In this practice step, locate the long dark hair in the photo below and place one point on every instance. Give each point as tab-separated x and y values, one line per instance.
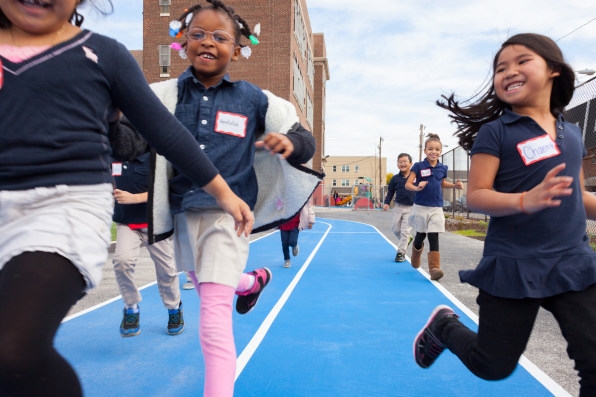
470	114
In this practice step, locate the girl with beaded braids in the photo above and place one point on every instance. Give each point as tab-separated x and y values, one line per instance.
240	127
59	86
526	173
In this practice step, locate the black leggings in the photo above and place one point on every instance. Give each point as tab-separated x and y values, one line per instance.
505	326
37	290
433	241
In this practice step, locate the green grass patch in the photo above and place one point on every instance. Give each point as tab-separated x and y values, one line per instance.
470	233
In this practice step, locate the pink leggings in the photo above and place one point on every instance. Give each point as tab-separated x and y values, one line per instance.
216	335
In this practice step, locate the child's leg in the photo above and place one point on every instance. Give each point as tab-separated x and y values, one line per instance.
285	243
576	314
217	339
504	328
36	291
128	243
434	257
293	237
417	249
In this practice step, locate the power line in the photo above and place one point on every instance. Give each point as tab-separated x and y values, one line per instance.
576	29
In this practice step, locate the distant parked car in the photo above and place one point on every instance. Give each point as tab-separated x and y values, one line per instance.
460	204
447	206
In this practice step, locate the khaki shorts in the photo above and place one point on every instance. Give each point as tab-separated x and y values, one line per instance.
205	241
427	219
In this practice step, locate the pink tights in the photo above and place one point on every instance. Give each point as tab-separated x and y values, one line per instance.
216	335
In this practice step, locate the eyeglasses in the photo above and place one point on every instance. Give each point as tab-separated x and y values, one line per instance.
219	36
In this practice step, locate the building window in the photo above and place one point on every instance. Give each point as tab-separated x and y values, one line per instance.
345	182
356	168
334	182
334	168
164	61
345	168
355	181
164	7
299	87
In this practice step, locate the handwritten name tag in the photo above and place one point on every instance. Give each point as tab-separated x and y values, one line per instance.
231	124
425	173
537	149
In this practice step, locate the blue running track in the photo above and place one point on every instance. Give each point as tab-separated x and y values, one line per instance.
339	322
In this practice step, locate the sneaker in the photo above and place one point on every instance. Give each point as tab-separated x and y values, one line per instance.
287	263
248	299
188	285
295	251
400	257
130	325
175	321
427	344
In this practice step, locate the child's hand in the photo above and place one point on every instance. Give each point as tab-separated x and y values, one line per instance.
385	207
124	197
544	195
422	184
232	204
277	143
459	185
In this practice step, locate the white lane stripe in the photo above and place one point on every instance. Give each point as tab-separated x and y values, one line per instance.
257	338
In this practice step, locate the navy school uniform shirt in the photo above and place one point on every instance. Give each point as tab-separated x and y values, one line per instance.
545	253
131	176
432	194
397	188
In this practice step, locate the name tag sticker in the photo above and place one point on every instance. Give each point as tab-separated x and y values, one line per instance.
231	124
537	149
425	173
116	169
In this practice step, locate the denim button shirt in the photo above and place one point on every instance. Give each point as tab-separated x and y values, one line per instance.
226	120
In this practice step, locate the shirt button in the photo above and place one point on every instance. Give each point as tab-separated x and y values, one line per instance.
202	146
560	127
205	98
203	122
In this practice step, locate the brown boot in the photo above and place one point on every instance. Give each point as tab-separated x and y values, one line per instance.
416	254
434	265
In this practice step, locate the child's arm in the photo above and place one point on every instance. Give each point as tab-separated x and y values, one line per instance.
297	146
410	182
482	198
449	185
124	197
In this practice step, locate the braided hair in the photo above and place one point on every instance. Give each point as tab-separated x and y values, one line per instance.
241	28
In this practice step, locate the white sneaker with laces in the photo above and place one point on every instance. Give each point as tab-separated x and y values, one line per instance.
287	263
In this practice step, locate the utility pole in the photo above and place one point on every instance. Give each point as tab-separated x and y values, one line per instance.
380	172
420	145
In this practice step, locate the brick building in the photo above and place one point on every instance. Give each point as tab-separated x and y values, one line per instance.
289	61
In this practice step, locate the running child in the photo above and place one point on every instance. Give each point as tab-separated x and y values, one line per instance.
526	173
404	199
427	179
59	88
230	120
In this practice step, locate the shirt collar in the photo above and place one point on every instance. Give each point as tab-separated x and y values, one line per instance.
510	117
187	75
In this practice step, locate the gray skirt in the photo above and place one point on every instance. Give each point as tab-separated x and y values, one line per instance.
425	219
71	221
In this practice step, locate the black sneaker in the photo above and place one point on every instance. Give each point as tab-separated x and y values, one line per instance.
427	344
247	300
130	325
175	321
400	257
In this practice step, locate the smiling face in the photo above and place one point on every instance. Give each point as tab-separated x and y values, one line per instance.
404	164
432	150
523	79
210	58
38	17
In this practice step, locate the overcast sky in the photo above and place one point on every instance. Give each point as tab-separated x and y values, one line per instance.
390	60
